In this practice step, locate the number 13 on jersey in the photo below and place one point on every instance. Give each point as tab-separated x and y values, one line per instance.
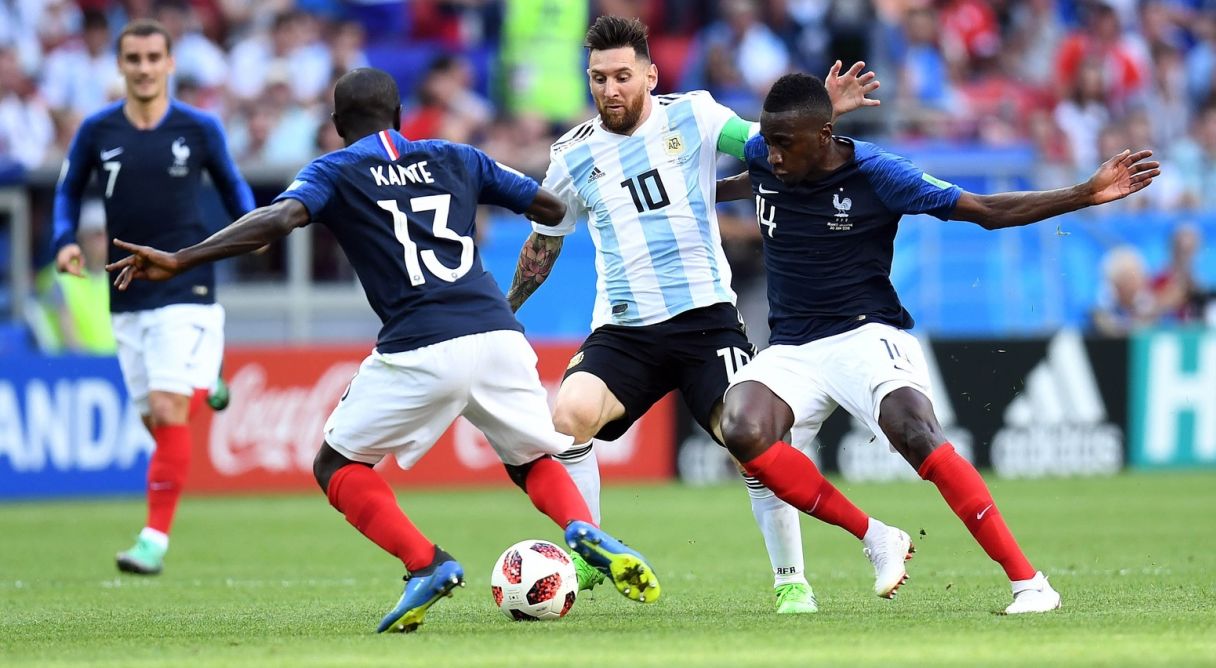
440	204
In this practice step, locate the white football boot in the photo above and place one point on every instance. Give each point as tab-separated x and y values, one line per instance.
1034	595
887	548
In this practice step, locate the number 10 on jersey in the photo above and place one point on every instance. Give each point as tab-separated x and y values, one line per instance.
440	204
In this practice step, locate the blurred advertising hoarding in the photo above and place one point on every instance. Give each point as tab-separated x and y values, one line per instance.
67	428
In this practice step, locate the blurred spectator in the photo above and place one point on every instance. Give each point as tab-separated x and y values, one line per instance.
73	313
1083	113
194	56
80	74
346	44
742	57
26	129
969	30
1166	96
18	31
1037	33
522	143
926	95
292	46
816	33
1055	168
447	106
1201	60
544	61
1126	301
456	23
996	102
1176	288
1194	158
1101	43
277	130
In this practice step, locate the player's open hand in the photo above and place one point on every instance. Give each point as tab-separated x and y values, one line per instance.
144	263
1123	175
849	91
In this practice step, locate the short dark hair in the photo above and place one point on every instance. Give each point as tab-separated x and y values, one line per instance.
366	93
799	92
144	28
94	20
614	32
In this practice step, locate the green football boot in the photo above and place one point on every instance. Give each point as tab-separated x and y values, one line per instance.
144	558
795	598
217	396
588	575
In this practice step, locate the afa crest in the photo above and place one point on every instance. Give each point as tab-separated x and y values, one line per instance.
673	143
574	361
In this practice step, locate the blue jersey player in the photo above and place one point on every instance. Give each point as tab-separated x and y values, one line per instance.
149	153
404	213
828	209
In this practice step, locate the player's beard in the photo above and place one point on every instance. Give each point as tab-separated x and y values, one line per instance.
623	122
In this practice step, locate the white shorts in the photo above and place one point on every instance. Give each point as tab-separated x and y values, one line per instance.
856	370
401	403
175	348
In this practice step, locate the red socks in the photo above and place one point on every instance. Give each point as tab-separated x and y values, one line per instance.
794	478
167	471
369	504
553	492
967	495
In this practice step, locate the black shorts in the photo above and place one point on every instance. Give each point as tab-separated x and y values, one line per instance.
697	352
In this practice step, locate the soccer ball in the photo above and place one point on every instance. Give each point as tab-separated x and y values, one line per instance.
534	580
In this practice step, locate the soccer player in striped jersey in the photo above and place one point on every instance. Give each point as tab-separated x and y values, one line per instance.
404	213
642	176
828	209
150	153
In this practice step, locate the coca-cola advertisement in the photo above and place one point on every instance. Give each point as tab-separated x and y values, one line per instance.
266	439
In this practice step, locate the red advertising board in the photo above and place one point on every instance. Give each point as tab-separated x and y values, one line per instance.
281	397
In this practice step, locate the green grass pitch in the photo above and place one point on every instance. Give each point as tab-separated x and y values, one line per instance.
284	581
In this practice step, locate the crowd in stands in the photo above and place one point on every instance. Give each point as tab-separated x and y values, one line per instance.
1072	80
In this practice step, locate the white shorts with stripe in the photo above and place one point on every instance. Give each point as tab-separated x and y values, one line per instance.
176	348
855	369
400	403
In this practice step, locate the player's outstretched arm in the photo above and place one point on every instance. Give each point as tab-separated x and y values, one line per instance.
254	230
734	187
849	90
1117	178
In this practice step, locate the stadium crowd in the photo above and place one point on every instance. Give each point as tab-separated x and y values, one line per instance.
1072	80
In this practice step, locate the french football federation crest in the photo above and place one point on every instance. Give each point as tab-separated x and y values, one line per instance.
181	153
843	205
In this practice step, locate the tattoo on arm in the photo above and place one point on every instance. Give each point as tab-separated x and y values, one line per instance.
536	260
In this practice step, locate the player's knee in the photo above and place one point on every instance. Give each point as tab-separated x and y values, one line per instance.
166	409
326	464
744	435
911	428
579	420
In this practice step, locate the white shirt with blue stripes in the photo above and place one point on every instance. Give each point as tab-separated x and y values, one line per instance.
648	199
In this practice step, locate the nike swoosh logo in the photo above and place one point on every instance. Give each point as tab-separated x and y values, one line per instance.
766	191
980	514
112	153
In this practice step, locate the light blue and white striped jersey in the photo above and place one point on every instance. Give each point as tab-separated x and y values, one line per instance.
649	202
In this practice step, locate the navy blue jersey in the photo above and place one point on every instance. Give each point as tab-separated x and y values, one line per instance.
404	213
828	243
150	182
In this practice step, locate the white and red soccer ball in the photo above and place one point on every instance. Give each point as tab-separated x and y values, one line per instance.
534	580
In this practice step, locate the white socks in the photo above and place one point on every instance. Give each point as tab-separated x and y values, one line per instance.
779	524
157	538
584	468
